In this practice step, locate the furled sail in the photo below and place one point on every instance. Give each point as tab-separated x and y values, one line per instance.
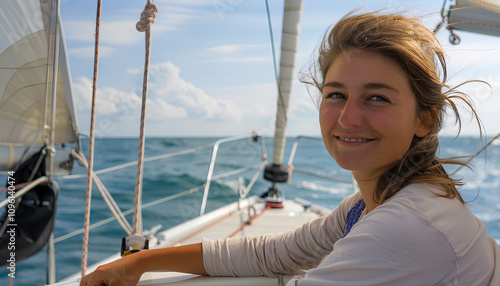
275	172
478	16
26	63
289	47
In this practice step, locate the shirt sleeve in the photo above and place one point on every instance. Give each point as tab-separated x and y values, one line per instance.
390	246
270	255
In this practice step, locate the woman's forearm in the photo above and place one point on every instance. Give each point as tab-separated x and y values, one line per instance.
186	259
128	270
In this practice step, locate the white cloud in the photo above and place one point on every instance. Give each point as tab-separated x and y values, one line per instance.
244	60
121	104
169	96
109	100
302	105
227	49
256	101
242	53
135	71
164	109
167	83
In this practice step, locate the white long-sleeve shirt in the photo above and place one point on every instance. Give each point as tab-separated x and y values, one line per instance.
414	238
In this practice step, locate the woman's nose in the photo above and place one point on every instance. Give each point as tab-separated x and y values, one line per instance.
352	114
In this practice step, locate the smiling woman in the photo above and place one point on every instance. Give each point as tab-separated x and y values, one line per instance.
382	106
394	64
368	115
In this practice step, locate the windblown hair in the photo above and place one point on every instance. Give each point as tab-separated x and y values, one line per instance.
407	41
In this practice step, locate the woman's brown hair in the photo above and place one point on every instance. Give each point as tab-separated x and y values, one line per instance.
415	48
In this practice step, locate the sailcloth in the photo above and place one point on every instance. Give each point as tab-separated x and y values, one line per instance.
289	47
478	16
26	64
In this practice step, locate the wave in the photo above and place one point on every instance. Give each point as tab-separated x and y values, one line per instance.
340	189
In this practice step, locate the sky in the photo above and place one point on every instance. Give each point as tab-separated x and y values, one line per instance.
211	69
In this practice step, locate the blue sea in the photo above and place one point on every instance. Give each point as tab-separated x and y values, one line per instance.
176	174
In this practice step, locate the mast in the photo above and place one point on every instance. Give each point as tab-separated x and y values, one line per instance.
51	260
289	47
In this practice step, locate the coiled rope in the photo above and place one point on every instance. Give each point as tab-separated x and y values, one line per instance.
148	17
91	146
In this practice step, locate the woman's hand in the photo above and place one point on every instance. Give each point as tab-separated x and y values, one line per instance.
122	272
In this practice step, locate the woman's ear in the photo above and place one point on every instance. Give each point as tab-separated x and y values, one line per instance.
427	120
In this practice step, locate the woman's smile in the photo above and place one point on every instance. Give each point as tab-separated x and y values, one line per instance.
351	141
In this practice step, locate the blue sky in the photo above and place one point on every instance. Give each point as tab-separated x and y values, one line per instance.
211	65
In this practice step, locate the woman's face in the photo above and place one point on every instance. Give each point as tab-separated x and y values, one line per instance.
368	113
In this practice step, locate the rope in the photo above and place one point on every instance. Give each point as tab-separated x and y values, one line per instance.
91	146
113	206
148	17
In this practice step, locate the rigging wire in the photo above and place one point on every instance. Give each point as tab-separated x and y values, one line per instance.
134	163
477	154
108	198
127	212
276	75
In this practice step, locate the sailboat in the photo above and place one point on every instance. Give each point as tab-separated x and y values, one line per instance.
48	122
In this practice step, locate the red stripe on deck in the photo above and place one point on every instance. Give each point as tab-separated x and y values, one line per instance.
248	222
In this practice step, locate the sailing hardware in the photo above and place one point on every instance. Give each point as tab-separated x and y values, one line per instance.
276	173
274	198
34	213
454	38
133	243
471	16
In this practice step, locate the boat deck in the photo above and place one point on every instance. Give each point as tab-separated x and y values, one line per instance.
248	217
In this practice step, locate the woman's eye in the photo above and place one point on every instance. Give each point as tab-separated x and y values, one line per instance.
335	95
378	98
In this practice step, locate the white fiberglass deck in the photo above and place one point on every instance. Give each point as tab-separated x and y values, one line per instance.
252	218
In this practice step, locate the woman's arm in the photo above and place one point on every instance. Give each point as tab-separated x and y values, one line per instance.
270	255
128	270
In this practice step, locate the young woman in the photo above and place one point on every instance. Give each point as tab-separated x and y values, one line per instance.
382	105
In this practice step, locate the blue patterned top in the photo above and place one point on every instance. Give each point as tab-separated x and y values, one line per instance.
353	215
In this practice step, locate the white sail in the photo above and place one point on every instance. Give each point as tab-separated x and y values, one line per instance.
289	47
24	58
26	64
492	5
476	16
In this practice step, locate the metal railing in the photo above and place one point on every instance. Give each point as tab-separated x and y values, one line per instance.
206	185
214	158
292	168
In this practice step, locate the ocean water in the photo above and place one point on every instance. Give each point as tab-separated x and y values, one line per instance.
173	175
